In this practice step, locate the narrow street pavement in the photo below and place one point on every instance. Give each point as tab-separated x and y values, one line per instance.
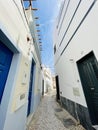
50	116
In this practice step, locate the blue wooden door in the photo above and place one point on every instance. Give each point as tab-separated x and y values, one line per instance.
30	95
5	62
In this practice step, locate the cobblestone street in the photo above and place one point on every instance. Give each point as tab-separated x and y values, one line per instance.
50	116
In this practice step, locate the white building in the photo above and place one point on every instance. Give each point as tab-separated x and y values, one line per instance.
76	55
20	71
47	80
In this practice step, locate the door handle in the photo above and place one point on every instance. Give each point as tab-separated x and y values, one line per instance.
92	88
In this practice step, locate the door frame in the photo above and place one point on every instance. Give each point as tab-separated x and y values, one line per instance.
9	86
7	41
31	88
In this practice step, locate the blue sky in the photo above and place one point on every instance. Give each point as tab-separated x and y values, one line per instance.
47	13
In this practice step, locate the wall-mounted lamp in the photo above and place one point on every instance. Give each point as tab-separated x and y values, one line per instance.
36	17
35	9
29	0
37	25
71	59
38	30
28	39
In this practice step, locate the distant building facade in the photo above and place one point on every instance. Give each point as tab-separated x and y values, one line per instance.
76	60
20	71
47	80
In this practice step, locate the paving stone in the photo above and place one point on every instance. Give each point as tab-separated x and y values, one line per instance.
50	116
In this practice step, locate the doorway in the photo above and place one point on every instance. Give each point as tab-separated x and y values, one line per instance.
42	87
31	89
5	62
57	88
88	70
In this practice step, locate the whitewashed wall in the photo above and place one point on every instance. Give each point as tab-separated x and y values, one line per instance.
15	27
84	41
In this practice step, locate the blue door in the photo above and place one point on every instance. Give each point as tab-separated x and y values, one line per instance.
31	90
5	62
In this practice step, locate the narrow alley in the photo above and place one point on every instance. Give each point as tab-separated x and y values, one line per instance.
48	64
51	116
